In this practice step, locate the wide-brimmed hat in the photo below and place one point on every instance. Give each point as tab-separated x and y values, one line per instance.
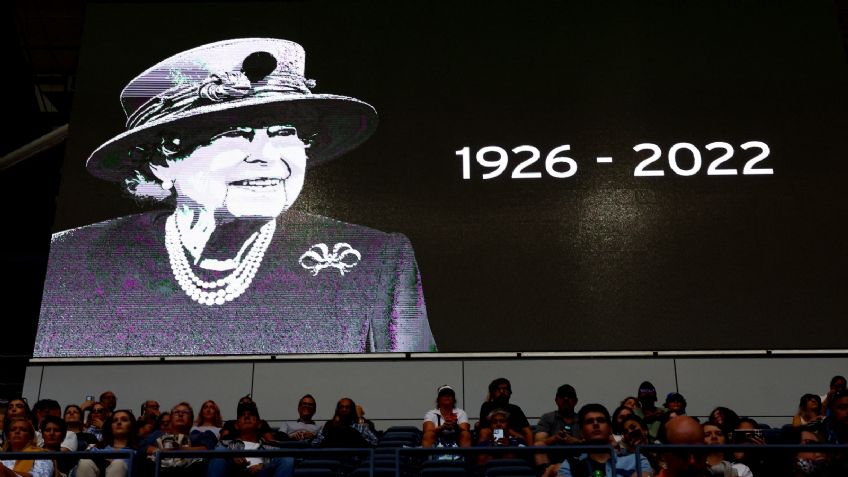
228	84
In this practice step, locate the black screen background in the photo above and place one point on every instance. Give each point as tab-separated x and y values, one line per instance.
599	261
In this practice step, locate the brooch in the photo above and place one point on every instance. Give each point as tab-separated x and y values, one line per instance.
343	257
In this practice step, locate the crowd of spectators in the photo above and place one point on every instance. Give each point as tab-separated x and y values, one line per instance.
98	426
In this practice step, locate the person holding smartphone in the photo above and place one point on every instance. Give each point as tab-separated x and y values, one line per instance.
559	427
447	424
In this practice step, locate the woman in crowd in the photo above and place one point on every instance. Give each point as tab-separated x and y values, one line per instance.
119	433
718	461
73	422
57	438
96	419
809	411
808	464
209	419
447	424
724	418
20	437
618	416
631	401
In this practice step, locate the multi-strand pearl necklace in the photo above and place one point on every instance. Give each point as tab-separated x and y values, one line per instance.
225	289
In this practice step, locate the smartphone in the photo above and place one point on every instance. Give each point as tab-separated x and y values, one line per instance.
499	433
89	398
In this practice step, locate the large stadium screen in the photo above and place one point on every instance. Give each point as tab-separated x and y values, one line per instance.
347	177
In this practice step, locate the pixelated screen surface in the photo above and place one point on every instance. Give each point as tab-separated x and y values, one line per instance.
556	177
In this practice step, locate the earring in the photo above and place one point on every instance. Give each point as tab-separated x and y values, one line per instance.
167	184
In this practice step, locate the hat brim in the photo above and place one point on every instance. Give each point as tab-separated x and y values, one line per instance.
338	123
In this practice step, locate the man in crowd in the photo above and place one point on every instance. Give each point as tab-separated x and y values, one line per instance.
560	427
247	436
596	427
304	428
150	408
648	410
500	391
683	430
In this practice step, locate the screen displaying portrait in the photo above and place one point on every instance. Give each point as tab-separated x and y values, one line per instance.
326	177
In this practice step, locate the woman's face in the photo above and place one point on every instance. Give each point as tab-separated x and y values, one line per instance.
446	401
165	423
52	435
619	418
72	414
812	405
121	424
634	434
243	172
17	408
717	417
631	402
713	435
181	419
208	411
19	434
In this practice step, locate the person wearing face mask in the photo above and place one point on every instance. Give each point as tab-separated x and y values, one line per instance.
221	137
500	391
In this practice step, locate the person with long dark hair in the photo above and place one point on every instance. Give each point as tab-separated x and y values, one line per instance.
344	430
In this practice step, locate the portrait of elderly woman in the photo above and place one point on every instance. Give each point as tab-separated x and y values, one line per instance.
221	136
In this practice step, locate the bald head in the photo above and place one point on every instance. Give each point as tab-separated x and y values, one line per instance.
684	430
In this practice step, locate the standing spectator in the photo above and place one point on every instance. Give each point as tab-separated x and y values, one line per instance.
446	424
500	391
304	428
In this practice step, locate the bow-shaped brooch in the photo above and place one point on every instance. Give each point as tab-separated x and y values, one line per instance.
318	257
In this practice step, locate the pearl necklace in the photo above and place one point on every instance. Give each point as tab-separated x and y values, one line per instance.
222	290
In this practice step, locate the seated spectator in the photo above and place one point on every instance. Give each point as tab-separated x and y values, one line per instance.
229	427
683	430
836	424
209	419
179	436
343	430
44	408
596	430
149	408
809	411
96	419
675	404
500	436
20	437
837	384
18	407
446	424
109	400
725	418
718	461
631	401
500	391
163	423
119	433
648	410
761	463
54	434
304	428
559	427
75	426
360	418
635	433
810	463
248	437
145	426
618	416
